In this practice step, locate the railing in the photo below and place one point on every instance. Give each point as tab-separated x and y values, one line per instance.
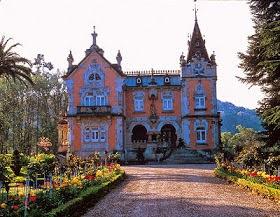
153	72
94	110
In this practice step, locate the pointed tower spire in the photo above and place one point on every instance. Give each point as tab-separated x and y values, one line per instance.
197	43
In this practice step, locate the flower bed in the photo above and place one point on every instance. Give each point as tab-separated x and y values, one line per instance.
48	188
258	182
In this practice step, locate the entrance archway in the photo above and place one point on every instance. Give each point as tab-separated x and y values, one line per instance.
168	134
139	133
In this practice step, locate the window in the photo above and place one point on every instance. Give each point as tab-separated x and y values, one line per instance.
100	100
88	100
102	135
91	77
166	80
139	104
138	81
87	135
200	102
201	135
167	104
94	76
95	135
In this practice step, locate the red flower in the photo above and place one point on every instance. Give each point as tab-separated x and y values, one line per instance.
89	177
15	207
253	174
33	198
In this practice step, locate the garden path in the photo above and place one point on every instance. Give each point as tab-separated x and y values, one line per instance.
178	191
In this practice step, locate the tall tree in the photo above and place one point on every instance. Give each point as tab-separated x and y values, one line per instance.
261	64
12	65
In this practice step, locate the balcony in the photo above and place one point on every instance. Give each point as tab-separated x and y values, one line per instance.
94	110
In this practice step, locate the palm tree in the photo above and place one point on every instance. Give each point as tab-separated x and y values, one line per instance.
12	65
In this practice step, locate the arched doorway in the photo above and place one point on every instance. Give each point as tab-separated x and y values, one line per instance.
139	133
168	134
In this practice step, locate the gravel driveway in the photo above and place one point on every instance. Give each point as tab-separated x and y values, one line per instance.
177	191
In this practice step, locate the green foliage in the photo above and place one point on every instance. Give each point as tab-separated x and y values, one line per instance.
28	113
244	148
261	64
87	198
12	65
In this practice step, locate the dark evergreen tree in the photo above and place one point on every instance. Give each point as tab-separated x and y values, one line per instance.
261	64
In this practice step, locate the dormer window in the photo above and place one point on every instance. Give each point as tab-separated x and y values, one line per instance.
197	44
138	81
167	80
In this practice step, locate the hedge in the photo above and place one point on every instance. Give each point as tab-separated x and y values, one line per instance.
88	198
262	189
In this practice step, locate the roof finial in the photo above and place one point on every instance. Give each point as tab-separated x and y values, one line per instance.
94	36
195	11
119	58
70	60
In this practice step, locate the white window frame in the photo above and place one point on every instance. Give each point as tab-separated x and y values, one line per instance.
138	104
200	102
167	104
201	135
88	100
100	100
95	135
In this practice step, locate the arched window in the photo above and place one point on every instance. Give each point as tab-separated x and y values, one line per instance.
94	76
87	135
200	135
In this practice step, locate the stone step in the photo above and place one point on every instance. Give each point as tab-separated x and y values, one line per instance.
182	156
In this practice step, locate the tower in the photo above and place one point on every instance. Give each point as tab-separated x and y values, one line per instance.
198	99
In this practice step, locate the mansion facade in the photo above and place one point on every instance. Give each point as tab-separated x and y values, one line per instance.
109	109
